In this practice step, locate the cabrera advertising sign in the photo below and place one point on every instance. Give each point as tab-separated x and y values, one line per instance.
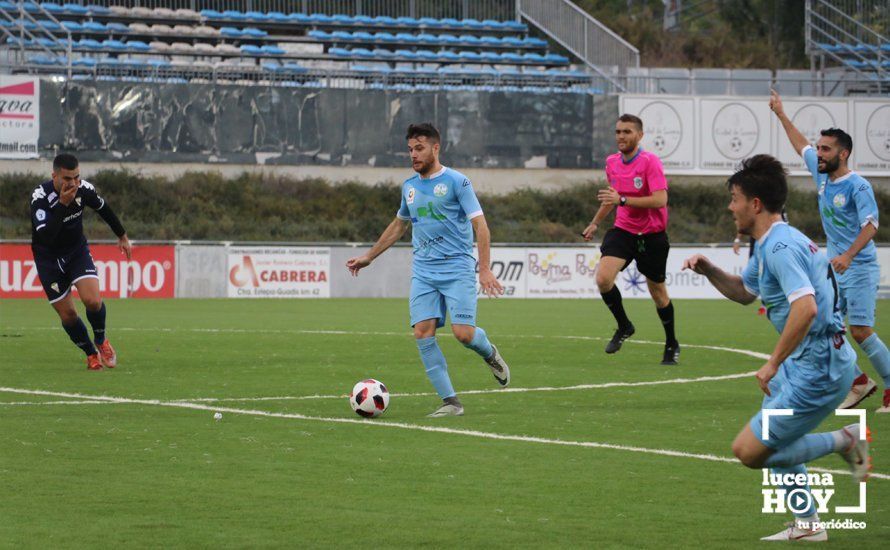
279	272
19	116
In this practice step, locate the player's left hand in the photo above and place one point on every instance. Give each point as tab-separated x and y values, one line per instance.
840	263
123	244
765	374
608	196
491	287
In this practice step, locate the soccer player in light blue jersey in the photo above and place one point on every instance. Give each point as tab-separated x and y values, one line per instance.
444	212
812	365
850	220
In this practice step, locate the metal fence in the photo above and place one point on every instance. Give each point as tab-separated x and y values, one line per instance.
500	10
581	34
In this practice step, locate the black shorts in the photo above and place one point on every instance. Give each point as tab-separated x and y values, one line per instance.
59	270
649	250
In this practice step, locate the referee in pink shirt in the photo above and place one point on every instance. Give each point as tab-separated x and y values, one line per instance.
638	188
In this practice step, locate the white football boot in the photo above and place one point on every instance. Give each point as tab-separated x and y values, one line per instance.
796	533
447	410
498	367
856	454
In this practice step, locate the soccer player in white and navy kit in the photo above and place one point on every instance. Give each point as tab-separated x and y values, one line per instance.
850	219
638	188
62	255
444	212
812	364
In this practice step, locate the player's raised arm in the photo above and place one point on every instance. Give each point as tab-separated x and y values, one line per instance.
390	236
489	283
798	141
731	286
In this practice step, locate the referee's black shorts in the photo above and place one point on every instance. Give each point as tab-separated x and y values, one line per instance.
650	250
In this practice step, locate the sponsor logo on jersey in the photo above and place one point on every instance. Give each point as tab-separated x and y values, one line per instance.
410	198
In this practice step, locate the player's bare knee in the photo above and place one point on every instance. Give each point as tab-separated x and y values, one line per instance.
93	304
604	281
860	333
423	332
464	335
68	316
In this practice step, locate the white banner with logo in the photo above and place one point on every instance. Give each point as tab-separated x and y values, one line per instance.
19	116
709	135
279	272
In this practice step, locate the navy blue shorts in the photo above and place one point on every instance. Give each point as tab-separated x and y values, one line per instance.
58	271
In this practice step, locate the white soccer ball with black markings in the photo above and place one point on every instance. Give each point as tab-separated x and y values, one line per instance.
369	398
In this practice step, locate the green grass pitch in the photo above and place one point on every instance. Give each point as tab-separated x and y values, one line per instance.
152	473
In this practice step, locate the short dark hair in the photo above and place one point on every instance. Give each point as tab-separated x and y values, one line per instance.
762	177
632	118
425	129
66	161
842	137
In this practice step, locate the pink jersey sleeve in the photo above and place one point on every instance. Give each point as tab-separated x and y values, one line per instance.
655	174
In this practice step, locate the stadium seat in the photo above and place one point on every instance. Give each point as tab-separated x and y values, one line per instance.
429	22
185	13
363	36
469	56
49	25
211	14
75	9
385	20
339	52
254	32
407	54
407	22
383	54
321	18
319	35
272	49
424	38
256	16
138	46
115	27
234	15
407	37
113	45
230	32
385	37
362	52
277	17
72	26
341	35
469	39
491	57
554	58
341	19
447	55
300	18
139	28
448	39
94	26
250	49
89	44
84	62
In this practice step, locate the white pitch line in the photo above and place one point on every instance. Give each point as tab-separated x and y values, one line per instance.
81	402
403	426
495	391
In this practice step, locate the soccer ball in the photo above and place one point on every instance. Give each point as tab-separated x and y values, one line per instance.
369	398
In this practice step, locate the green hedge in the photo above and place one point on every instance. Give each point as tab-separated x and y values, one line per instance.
252	207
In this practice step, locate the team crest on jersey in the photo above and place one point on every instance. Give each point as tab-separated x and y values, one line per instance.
410	198
840	200
440	190
638	182
40	215
54	286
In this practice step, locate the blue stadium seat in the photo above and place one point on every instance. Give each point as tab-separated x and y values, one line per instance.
321	18
84	62
341	19
362	52
447	55
254	32
425	38
537	42
115	27
469	56
51	7
339	52
451	22
512	57
385	37
138	46
512	40
157	62
230	32
429	22
490	40
448	39
75	9
407	54
383	54
72	26
272	49
469	39
43	59
4	5
364	20
113	45
535	57
407	22
31	7
341	35
211	14
491	24
256	16
96	9
473	24
271	66
319	35
385	20
48	24
515	25
885	47
364	36
426	55
89	44
94	26
277	17
300	18
407	37
234	15
554	58
491	57
251	49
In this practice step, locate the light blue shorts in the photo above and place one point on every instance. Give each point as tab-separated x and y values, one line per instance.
812	383
454	294
858	293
